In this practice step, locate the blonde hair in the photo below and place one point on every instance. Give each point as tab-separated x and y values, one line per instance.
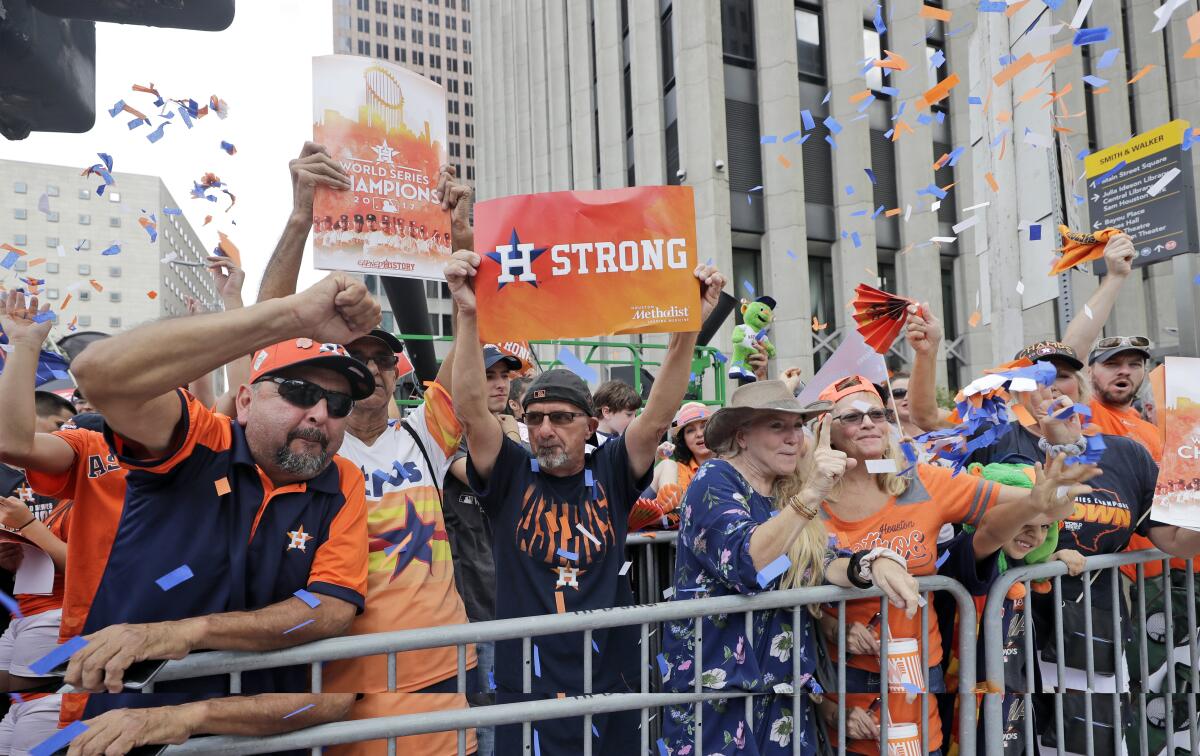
892	483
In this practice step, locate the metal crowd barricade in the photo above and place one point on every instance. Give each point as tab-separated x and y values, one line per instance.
1139	686
586	705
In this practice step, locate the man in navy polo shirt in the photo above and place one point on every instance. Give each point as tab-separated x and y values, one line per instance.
199	560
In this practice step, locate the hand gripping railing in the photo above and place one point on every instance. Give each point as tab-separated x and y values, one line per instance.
993	634
526	628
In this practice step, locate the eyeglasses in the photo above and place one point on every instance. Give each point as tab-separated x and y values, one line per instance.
899	393
877	416
382	361
1112	342
305	394
561	419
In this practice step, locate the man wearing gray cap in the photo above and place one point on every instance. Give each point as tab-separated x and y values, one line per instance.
559	517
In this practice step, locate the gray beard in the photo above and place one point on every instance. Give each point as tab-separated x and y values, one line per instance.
305	465
552	460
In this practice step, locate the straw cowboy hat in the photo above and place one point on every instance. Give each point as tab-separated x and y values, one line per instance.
751	400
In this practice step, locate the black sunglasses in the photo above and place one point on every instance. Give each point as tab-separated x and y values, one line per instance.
382	361
561	419
899	393
305	394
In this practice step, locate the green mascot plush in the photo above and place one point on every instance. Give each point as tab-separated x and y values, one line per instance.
756	320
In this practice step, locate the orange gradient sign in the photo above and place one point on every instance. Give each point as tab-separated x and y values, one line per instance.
386	127
595	263
1177	493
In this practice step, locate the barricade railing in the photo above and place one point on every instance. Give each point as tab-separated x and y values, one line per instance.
1103	570
648	617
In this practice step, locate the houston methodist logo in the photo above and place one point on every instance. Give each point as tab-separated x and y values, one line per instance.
584	258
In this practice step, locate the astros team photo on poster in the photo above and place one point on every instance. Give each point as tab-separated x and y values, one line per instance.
386	127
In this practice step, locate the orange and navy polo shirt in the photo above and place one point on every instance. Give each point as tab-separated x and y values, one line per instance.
205	505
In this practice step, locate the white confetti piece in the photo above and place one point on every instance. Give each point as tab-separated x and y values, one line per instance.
624	568
1088	311
61	252
880	466
862	406
1164	15
907	212
668	593
1020	287
976	207
1161	184
935	206
964	225
943	239
586	534
1081	14
1044	31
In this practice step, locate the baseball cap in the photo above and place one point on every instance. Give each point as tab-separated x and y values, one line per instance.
492	355
393	343
559	385
855	384
1044	350
295	352
1111	346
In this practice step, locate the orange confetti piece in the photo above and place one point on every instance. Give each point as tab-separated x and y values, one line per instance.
894	61
1012	69
1003	117
937	164
9	248
1194	50
231	251
1057	96
207	220
1054	55
1024	417
1193	24
36	261
96	285
818	326
992	182
939	91
74	321
1011	10
152	294
1030	94
937	14
784	161
1145	70
894	211
975	319
858	97
222	485
65	302
901	128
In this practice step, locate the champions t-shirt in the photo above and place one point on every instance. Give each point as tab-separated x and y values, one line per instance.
559	546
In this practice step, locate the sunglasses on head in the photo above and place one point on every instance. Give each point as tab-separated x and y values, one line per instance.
878	416
1112	342
561	419
305	394
382	361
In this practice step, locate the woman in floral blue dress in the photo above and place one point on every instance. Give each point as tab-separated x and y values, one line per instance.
749	524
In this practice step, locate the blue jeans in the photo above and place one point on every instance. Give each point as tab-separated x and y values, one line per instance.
486	654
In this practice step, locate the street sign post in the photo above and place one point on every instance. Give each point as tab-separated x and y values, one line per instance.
1144	187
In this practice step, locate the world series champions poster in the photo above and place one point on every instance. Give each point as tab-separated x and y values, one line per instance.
1177	493
386	127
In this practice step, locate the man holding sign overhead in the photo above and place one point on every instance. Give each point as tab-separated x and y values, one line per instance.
559	517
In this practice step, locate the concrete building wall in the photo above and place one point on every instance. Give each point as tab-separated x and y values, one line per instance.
710	79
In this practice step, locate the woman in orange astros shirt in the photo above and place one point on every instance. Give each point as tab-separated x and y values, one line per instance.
880	511
673	474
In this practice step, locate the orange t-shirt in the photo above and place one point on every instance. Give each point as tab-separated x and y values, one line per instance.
1127	422
908	524
900	711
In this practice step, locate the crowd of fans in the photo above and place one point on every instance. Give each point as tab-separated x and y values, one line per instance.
297	506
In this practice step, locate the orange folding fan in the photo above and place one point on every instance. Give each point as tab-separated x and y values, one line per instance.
880	316
1079	248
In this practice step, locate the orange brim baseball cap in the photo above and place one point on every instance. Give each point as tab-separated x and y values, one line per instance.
296	352
855	384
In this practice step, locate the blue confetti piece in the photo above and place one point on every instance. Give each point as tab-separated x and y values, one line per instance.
533	465
662	665
56	657
791	136
888	134
975	100
1095	81
924	119
113	249
875	214
941	116
297	627
1196	280
187	119
9	260
832	143
721	358
10	604
849	189
1079	200
662	748
910	688
792	255
172	211
773	570
1053	4
537	745
175	577
115	110
767	139
297	711
312	601
1091	36
595	732
573	556
955	154
866	104
854	237
934	190
938	59
804	139
229	148
1007	59
1000	137
880	28
992	6
576	365
1107	59
942	559
491	680
890	91
832	124
806	117
157	134
870	174
900	111
828	94
858	213
537	661
59	740
42	317
1035	232
748	287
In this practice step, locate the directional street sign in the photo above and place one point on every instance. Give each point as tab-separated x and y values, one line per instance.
1144	187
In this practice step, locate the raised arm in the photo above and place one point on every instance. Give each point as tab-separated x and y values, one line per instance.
924	334
229	279
122	730
1052	496
646	431
131	377
314	167
101	664
19	444
15	515
469	381
1083	331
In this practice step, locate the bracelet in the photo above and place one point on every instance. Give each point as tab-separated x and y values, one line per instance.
853	570
808	512
1071	450
32	520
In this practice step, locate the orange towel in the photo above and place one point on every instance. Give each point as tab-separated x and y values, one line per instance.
1079	248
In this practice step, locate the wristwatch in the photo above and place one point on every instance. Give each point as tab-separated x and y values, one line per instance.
864	563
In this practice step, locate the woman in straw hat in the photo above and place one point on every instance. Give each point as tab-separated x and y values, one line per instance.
879	509
749	523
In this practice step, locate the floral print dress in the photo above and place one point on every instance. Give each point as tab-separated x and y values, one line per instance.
720	513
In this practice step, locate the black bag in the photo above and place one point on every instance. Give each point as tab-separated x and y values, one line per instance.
1075	723
1104	650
